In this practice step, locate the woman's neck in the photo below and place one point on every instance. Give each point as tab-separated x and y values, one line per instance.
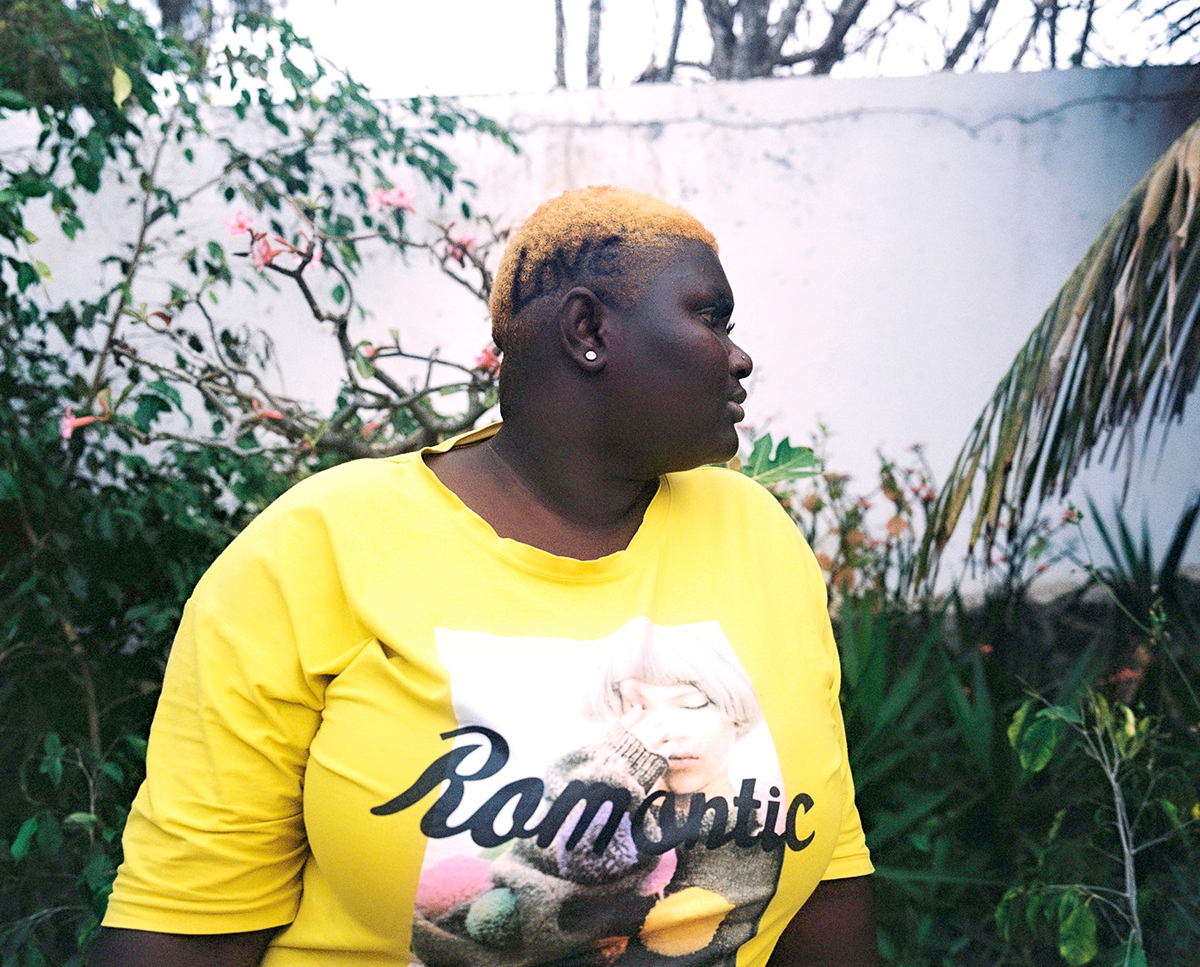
551	494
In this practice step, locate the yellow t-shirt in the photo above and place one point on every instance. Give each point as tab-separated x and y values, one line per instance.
413	741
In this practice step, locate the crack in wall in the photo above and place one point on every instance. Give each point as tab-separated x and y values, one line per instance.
856	114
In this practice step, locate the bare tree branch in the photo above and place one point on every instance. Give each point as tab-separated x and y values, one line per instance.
1052	25
1077	57
560	45
785	27
593	44
978	18
1039	11
833	47
676	30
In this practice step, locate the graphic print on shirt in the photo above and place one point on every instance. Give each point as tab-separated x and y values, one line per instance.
615	801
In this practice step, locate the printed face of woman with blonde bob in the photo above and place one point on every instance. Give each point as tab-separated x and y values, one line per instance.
687	728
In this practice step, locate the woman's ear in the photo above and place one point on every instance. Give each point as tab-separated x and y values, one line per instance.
580	317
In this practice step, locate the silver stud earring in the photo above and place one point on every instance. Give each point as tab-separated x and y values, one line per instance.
590	355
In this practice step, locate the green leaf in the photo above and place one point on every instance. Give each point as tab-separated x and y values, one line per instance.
13	101
1077	933
166	390
81	819
122	86
27	275
366	369
1172	812
1018	722
788	464
1038	743
24	837
43	269
338	293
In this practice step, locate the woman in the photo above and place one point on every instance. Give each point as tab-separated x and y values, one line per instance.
319	742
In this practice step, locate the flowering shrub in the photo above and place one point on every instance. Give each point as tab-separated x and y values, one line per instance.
866	541
140	428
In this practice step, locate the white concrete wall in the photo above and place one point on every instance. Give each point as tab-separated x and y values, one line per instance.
890	242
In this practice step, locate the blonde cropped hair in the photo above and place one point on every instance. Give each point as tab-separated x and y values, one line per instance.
589	236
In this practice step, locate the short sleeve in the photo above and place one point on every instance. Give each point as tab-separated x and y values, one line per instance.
215	839
851	856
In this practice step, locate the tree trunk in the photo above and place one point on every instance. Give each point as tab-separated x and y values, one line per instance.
719	16
752	55
593	45
560	45
173	12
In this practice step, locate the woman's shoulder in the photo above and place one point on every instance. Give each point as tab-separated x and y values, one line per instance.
722	486
353	489
317	519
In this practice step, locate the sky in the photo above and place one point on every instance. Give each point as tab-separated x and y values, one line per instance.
492	47
501	46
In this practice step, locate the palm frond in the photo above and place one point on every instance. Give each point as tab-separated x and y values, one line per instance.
1119	342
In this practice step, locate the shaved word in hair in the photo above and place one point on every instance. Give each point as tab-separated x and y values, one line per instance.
606	238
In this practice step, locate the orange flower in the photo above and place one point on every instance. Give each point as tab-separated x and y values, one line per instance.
843	580
897	526
854	538
812	503
824	561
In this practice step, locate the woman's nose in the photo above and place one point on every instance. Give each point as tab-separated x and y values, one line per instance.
740	363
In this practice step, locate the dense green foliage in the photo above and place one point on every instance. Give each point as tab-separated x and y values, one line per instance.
1027	775
138	432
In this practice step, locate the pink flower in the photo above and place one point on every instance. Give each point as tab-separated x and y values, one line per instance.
369	351
459	248
488	360
399	198
263	252
264	414
396	198
239	224
1071	515
70	423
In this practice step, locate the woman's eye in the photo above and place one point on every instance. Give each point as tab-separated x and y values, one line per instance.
717	319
